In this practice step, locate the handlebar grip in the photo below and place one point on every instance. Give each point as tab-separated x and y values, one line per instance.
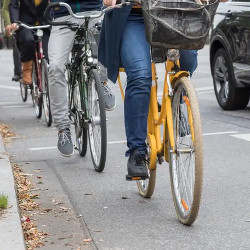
47	16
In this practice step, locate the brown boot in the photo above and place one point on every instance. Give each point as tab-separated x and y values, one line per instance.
27	72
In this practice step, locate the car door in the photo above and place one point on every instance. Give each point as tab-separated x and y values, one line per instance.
238	21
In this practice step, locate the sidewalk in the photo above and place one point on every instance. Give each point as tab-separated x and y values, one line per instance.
11	234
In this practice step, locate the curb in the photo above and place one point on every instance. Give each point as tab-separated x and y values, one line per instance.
11	233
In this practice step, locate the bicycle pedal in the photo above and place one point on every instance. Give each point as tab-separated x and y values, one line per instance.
136	178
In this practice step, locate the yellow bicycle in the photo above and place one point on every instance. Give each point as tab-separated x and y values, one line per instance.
181	144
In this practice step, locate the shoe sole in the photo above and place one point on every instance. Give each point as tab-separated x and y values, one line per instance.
110	109
136	178
67	155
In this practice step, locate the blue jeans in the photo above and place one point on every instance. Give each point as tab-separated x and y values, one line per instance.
135	58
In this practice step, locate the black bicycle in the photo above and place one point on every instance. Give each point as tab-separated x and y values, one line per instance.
85	98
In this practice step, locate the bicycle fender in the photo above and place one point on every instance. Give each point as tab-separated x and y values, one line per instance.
179	75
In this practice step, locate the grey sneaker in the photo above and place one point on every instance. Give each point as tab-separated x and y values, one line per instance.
109	97
64	144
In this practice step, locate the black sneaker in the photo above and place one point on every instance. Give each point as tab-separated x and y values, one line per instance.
64	144
137	166
16	78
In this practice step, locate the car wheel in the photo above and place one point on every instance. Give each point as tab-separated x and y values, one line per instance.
228	96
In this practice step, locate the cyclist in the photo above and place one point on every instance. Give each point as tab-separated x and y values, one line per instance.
16	56
123	42
60	45
29	12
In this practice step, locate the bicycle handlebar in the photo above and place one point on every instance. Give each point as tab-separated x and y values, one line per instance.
86	14
20	24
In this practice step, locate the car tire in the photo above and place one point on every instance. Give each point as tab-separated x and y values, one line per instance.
228	96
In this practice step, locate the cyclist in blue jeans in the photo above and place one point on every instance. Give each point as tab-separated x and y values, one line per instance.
123	42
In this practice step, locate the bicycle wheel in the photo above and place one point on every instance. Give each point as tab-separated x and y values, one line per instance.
186	161
97	128
24	91
146	187
36	94
45	91
80	129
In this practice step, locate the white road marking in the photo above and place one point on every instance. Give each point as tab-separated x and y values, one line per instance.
124	142
207	92
10	103
200	90
14	106
43	148
117	142
221	133
9	87
204	88
245	137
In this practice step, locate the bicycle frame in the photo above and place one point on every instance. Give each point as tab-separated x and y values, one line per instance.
81	64
38	34
38	57
155	120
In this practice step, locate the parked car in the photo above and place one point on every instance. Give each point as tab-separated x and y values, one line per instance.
230	54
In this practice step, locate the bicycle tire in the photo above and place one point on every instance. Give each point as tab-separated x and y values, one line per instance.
80	130
24	91
187	208
97	131
36	95
146	187
45	89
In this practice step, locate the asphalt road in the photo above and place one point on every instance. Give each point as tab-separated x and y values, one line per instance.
137	223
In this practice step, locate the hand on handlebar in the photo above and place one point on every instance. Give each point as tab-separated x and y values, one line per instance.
10	28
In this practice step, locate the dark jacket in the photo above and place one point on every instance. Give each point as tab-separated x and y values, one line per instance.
78	6
110	38
26	11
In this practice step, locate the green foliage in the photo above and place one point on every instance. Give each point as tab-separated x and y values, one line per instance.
3	201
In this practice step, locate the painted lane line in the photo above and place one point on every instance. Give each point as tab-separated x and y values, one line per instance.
14	106
124	142
117	142
203	93
245	137
204	88
220	133
210	88
8	103
9	87
43	148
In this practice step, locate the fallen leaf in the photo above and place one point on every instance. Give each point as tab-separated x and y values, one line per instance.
34	196
64	209
47	210
37	170
87	240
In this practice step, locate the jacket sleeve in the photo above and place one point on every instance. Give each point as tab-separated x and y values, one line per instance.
5	13
14	10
